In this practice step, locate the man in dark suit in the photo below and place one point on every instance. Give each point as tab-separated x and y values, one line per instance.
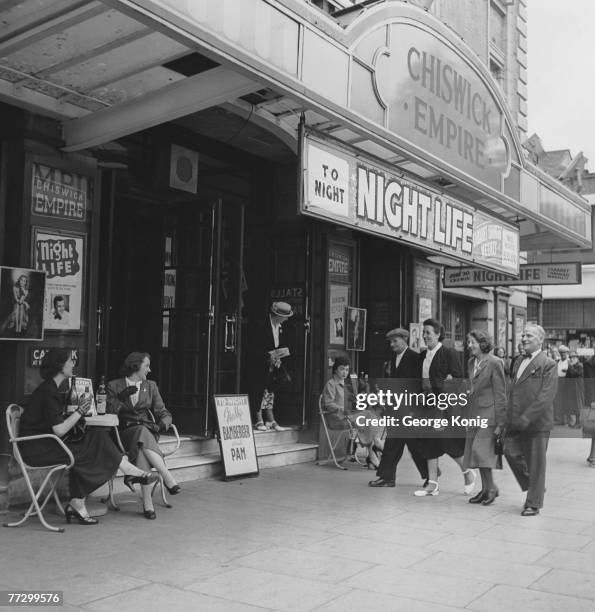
530	417
405	367
442	372
273	373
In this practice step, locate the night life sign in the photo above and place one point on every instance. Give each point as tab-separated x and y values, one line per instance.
565	273
353	190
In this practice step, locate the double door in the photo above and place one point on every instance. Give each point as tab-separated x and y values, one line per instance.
173	286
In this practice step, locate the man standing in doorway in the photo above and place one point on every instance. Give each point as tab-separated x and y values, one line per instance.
405	366
530	417
273	350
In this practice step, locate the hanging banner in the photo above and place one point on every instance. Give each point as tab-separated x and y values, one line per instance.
569	273
236	438
351	189
61	257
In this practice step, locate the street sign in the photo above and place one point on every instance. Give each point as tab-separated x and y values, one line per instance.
566	273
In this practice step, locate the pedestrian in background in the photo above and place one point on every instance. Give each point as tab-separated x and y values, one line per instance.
487	400
530	416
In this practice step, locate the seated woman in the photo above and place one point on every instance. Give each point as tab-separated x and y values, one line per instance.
96	457
338	401
133	398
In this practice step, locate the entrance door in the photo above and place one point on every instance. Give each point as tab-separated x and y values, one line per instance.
174	289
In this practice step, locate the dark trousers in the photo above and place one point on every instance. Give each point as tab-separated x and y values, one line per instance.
526	455
391	455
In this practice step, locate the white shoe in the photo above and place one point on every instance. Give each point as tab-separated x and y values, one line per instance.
278	427
424	492
260	427
468	489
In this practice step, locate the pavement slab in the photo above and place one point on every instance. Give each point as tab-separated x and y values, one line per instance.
306	537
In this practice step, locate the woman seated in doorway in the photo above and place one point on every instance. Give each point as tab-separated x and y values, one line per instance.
134	399
96	457
339	403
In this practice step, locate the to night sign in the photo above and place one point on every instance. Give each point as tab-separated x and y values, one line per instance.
361	193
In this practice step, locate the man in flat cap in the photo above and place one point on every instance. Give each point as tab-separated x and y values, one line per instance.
405	368
274	373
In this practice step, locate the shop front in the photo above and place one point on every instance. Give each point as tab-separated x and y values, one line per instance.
171	197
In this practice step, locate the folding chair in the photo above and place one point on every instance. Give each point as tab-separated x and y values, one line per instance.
348	427
110	500
52	478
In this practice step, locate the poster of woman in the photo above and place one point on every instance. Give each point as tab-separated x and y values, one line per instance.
22	293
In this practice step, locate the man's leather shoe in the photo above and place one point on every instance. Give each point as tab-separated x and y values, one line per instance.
530	512
478	499
380	482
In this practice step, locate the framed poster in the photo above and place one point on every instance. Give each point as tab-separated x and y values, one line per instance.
416	340
338	300
236	438
61	256
355	336
22	296
425	308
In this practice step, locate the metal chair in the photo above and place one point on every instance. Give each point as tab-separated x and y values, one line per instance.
110	500
332	446
52	478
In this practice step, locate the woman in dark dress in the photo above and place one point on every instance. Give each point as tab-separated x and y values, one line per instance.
142	415
96	457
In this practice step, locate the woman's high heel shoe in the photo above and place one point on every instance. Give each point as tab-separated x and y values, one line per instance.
478	499
173	490
70	513
489	498
146	479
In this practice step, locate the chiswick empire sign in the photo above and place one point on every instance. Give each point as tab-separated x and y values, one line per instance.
356	191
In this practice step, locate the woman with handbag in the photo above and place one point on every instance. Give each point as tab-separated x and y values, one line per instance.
487	400
96	457
142	415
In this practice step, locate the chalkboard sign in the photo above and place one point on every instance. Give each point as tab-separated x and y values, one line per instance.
236	438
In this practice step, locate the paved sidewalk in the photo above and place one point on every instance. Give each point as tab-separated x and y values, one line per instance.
314	538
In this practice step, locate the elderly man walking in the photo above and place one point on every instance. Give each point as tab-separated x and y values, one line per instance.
530	417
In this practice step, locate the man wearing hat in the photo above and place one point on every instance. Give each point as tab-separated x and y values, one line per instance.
405	368
274	373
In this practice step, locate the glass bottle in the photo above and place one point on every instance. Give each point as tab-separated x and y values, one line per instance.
72	400
101	396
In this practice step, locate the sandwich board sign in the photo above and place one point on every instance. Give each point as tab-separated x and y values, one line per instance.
236	438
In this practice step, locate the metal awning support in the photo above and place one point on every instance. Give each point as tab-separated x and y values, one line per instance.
185	97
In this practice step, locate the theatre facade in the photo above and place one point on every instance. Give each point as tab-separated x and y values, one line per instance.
174	167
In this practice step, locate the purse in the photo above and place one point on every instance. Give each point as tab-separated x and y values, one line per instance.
589	422
499	450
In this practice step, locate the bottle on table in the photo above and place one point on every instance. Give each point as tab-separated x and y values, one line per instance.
72	399
101	396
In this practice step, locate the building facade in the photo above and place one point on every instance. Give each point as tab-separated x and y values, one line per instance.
174	167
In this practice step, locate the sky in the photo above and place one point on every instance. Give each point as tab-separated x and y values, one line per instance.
561	71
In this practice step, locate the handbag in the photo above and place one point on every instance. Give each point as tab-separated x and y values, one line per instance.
589	422
499	450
